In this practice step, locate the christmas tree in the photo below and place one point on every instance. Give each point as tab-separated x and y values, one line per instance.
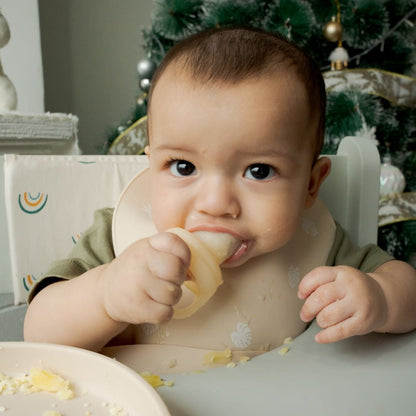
365	49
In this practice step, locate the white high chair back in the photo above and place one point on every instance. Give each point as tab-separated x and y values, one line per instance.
50	201
351	191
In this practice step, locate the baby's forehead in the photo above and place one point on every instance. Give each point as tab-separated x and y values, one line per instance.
177	73
284	89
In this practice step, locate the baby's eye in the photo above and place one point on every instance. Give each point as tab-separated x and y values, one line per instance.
182	168
259	172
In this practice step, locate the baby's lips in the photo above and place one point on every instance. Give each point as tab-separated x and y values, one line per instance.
221	245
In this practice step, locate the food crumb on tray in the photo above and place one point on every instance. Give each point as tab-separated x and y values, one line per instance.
283	350
155	380
218	357
51	413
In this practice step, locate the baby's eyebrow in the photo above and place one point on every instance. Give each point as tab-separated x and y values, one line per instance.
258	152
170	147
265	152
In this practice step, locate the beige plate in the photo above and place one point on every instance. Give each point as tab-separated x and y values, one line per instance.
96	380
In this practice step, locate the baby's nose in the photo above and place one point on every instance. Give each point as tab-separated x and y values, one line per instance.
218	197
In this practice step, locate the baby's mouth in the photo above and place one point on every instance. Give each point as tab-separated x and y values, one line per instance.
237	254
223	246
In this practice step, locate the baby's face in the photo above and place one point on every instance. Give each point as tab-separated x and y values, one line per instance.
234	158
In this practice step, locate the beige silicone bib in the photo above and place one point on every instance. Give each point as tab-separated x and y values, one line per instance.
253	310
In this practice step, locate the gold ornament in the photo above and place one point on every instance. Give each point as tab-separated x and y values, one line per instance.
333	30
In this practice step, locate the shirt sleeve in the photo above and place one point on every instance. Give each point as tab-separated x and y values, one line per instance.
344	252
94	248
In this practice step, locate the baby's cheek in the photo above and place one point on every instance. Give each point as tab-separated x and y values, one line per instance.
277	233
167	214
159	216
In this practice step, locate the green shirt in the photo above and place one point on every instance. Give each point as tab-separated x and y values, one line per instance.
96	247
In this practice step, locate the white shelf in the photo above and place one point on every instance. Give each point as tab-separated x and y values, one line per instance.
45	133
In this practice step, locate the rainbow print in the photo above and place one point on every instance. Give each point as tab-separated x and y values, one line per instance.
28	281
76	238
32	204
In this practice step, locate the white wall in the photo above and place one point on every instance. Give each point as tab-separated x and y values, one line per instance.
90	52
21	57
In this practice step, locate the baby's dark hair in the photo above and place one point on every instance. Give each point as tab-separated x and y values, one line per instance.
234	54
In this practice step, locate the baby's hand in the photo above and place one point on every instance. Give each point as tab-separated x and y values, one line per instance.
344	301
144	282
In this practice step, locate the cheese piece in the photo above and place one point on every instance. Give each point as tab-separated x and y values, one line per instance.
48	381
218	357
51	413
155	381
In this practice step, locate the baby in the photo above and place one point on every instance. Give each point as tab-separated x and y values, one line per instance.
235	125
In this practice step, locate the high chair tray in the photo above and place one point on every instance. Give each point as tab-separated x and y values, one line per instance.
101	385
364	376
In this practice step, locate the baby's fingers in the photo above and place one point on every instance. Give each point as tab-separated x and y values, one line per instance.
314	279
333	314
164	292
318	300
171	243
172	259
342	330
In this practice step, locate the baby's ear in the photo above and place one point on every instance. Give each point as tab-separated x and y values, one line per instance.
320	171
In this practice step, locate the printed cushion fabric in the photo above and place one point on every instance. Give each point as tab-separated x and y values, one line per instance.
50	201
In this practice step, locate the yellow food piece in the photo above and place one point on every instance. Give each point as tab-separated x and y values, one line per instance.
47	381
244	359
284	350
155	381
288	340
37	380
218	357
51	413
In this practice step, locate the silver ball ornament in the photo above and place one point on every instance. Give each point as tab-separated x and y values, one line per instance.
144	84
145	68
141	102
392	180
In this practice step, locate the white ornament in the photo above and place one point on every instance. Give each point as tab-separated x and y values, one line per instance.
339	54
8	95
392	180
339	58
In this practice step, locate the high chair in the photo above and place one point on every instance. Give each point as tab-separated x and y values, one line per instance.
49	202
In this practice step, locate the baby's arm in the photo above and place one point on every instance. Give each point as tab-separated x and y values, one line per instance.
141	285
347	302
